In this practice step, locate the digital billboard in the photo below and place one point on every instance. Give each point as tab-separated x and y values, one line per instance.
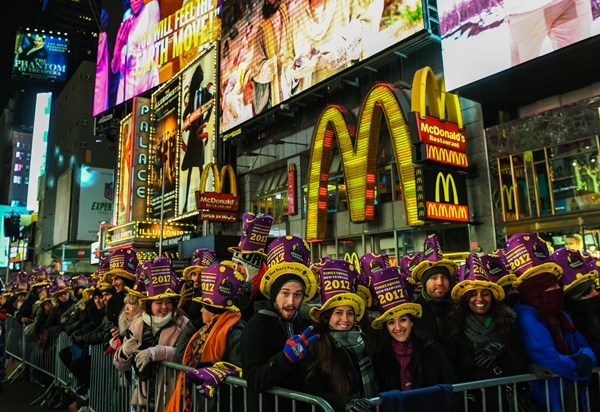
95	201
123	203
40	56
164	151
198	122
495	35
143	43
276	50
39	143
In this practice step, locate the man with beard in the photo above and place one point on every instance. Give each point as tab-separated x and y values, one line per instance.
434	273
122	265
273	341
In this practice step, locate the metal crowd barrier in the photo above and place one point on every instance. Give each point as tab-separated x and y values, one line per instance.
490	394
110	389
63	375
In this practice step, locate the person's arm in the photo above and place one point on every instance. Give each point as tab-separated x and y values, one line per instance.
539	346
233	347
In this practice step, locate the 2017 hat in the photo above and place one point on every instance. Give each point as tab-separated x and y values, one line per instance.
161	281
370	263
122	263
103	267
391	298
575	270
139	285
409	262
221	284
20	277
473	276
80	281
60	286
201	259
338	279
255	233
495	266
289	255
41	276
527	256
22	287
45	293
432	258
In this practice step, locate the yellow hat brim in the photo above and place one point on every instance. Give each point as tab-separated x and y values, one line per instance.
343	299
365	293
592	275
165	295
467	285
298	269
120	273
549	267
58	292
403	309
507	280
208	302
187	272
234	249
44	283
135	293
418	270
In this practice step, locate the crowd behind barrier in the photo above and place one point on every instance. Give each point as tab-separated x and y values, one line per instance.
110	389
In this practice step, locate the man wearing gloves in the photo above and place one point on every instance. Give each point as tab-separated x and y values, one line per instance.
272	341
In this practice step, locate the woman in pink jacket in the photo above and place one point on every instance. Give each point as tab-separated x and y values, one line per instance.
152	338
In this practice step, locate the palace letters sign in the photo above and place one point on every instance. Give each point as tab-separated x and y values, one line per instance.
358	145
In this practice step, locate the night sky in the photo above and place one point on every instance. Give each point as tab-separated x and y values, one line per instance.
15	14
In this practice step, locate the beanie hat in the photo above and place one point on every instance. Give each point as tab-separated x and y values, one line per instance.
282	280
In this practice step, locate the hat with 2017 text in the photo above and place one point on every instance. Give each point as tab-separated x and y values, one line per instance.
527	256
391	298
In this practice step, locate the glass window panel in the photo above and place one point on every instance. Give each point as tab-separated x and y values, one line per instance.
277	208
284	205
282	185
275	181
269	206
384	181
335	164
342	195
255	207
261	185
262	206
576	183
507	191
269	180
332	196
522	192
386	150
573	148
304	195
543	188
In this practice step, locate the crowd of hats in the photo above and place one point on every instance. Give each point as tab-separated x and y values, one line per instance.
47	286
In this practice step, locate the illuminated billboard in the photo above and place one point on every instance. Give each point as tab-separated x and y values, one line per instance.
277	50
40	56
95	201
123	203
39	143
143	43
495	35
198	122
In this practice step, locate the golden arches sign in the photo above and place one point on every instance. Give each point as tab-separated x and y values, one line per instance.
353	258
447	182
219	178
359	159
509	195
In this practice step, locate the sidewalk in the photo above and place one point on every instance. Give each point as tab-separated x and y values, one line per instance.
17	396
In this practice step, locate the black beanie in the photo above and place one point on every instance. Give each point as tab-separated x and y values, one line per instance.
97	292
282	280
434	271
212	309
127	282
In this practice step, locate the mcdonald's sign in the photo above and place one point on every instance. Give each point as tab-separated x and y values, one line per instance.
424	152
358	145
442	194
216	199
352	258
509	195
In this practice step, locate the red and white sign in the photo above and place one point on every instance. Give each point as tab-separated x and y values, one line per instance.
438	133
291	189
81	253
213	216
217	201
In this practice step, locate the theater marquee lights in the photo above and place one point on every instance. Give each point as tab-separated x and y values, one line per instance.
441	130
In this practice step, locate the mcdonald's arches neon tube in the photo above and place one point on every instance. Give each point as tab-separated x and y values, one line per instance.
441	194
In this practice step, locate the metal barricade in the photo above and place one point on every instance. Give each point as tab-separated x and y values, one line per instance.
14	338
110	389
233	394
496	394
63	375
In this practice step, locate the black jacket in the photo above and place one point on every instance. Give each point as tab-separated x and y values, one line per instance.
432	325
114	306
263	361
53	324
586	318
26	310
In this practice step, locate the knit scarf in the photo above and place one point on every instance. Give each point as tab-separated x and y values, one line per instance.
354	344
156	323
480	334
403	352
549	305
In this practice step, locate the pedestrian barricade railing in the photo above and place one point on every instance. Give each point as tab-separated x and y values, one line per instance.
111	390
513	393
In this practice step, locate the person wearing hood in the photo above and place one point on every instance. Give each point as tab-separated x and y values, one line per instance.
434	273
249	257
276	338
549	336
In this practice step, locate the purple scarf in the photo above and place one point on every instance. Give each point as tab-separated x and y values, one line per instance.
403	352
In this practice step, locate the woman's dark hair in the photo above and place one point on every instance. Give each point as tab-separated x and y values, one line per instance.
502	316
387	368
148	306
328	357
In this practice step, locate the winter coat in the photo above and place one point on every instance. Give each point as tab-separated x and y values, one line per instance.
586	321
192	308
53	324
115	306
26	310
164	350
429	323
263	361
540	349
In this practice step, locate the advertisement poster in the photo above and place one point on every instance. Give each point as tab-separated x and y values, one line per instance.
62	209
164	151
124	172
276	50
40	56
143	43
520	30
198	121
95	201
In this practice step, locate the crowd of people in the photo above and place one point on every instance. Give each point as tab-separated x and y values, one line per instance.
325	327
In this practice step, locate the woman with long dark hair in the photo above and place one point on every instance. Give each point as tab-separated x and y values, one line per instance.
482	340
338	367
408	358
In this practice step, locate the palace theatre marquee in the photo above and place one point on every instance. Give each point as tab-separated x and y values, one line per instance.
430	153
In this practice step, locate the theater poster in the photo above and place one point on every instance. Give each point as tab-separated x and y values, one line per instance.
123	201
164	151
198	122
40	56
144	43
273	51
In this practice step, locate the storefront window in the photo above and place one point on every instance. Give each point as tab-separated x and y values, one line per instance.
384	182
509	202
522	192
542	182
